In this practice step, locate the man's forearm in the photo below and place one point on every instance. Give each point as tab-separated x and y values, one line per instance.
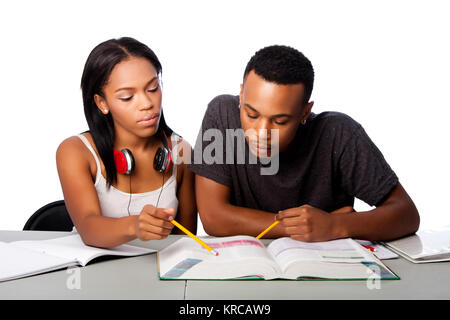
231	220
386	222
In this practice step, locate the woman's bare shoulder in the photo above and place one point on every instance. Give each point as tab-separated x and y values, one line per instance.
73	148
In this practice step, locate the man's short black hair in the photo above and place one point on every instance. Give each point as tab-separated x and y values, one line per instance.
283	65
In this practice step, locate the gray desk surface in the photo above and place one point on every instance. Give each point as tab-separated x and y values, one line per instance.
137	278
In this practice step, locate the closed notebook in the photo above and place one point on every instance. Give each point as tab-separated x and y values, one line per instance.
432	245
25	258
244	257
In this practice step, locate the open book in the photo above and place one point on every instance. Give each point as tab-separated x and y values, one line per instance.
242	257
431	245
25	258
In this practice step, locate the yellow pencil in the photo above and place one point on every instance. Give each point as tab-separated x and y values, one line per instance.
268	229
190	234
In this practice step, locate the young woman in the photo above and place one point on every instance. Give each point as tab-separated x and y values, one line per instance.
121	87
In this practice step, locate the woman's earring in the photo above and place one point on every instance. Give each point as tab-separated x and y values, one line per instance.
304	122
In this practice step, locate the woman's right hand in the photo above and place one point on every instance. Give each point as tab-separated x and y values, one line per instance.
154	223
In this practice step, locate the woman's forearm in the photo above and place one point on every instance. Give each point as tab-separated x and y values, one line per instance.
105	232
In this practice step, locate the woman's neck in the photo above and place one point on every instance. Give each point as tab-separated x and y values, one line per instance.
135	143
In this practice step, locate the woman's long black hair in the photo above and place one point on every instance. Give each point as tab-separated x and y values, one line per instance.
97	70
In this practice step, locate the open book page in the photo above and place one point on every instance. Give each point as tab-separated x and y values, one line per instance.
336	259
73	248
381	252
286	251
17	262
239	257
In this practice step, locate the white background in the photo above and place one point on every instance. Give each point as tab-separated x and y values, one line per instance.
385	63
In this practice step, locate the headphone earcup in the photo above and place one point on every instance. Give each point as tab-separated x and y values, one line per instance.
124	161
162	160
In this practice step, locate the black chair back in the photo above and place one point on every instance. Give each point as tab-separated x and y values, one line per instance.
51	217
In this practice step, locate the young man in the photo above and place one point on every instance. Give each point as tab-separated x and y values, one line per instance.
323	161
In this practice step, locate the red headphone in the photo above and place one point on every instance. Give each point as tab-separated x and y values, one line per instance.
125	163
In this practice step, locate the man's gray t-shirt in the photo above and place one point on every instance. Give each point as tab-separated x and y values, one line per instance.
330	161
